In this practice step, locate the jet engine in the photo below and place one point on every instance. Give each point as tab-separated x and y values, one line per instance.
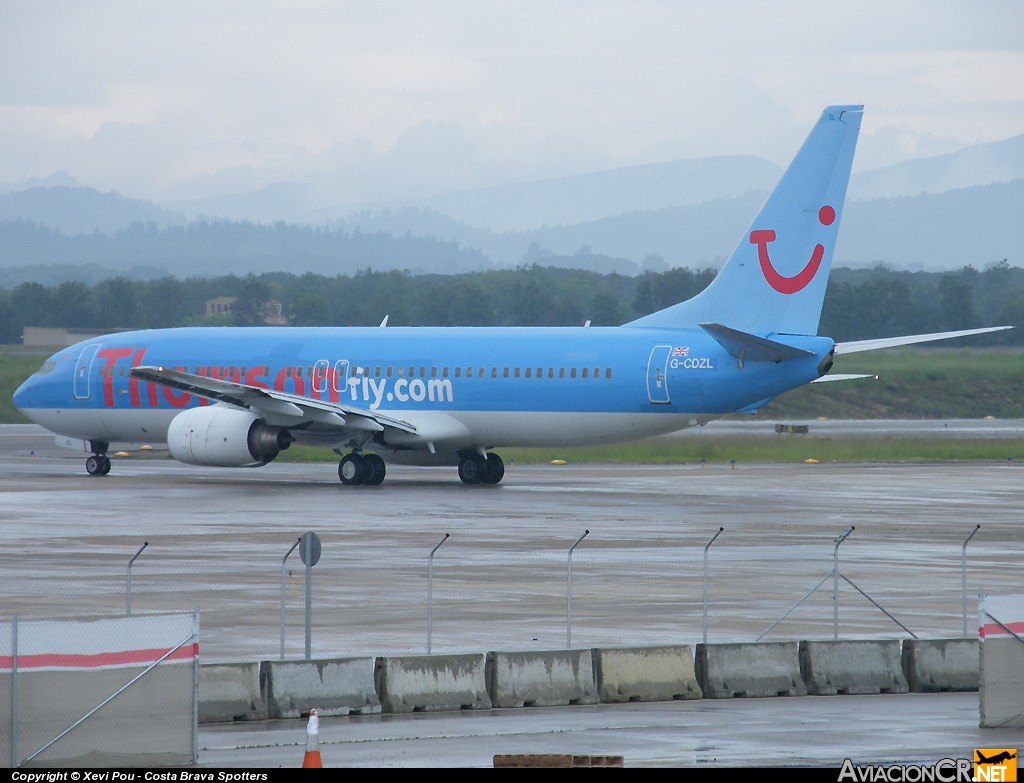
224	437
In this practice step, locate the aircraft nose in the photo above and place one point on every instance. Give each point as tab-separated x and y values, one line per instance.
25	396
22	395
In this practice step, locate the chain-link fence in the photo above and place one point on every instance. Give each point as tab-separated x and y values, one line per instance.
478	592
99	691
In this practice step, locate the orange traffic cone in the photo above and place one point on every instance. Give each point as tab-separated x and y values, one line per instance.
312	757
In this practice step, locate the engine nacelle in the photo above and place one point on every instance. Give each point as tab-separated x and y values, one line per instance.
224	437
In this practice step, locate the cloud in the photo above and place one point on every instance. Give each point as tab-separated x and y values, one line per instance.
163	98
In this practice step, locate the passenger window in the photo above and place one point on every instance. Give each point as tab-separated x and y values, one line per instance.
608	373
572	373
585	371
529	372
458	372
444	372
433	372
376	371
561	373
504	373
515	373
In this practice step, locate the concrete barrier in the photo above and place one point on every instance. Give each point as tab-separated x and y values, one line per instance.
939	665
759	669
541	679
426	683
1001	675
342	686
852	667
645	674
230	692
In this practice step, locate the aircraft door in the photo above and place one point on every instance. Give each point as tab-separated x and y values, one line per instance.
657	375
83	369
341	375
318	381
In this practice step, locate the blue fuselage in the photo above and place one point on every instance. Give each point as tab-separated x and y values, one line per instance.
513	386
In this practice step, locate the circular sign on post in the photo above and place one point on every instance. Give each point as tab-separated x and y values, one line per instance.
311	545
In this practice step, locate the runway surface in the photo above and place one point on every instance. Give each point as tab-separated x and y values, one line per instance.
216	539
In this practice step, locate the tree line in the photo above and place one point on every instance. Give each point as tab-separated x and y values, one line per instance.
859	304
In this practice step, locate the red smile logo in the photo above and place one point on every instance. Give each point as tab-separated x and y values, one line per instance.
790	285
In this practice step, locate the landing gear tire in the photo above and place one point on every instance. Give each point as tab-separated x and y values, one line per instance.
473	469
495	469
98	465
353	469
376	469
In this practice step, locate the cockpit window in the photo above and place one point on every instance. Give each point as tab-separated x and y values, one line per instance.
48	366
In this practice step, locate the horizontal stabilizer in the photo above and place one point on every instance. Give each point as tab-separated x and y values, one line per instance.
750	347
891	342
843	376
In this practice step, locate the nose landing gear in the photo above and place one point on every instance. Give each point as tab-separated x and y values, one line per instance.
99	463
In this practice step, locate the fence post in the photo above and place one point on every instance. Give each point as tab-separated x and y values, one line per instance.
835	583
14	692
963	571
297	540
130	562
706	546
430	588
568	594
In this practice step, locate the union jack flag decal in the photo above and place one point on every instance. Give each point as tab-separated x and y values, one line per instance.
681	351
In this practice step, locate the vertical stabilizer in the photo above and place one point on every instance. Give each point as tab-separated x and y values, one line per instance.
775	279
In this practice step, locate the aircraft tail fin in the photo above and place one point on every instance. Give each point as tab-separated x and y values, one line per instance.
775	279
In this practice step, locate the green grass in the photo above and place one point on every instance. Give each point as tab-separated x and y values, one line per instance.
914	383
693	448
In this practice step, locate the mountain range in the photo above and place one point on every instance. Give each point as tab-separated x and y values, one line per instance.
933	214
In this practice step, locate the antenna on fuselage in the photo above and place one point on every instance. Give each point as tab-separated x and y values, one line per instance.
385	321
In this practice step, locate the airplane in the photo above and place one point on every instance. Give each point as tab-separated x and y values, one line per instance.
1003	756
238	397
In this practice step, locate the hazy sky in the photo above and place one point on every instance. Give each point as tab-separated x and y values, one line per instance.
188	98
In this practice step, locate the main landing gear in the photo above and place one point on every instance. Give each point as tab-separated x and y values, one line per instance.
475	468
356	468
99	463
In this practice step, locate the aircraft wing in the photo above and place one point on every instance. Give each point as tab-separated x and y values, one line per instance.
891	342
277	407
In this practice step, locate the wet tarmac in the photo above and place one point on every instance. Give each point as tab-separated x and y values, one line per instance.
217	537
